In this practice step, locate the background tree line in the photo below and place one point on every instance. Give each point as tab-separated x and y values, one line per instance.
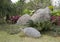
7	7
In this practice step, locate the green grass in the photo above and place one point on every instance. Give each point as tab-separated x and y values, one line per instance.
6	37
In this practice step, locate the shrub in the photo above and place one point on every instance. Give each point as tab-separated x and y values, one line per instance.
55	13
56	30
40	25
2	21
55	20
55	17
51	8
27	11
14	19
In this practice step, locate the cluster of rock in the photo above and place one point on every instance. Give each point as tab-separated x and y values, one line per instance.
40	15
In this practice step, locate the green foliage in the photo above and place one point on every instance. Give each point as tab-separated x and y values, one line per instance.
40	25
31	23
5	7
55	12
20	5
2	21
51	8
56	30
27	11
37	4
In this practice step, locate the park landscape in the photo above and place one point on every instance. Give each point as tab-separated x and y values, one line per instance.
29	21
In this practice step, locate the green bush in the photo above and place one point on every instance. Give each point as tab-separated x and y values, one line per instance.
55	12
2	21
51	8
27	11
40	25
56	30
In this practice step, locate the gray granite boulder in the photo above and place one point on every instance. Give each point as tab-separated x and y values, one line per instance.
31	32
41	15
23	19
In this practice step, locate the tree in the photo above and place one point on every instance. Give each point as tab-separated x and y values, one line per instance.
20	6
4	7
37	4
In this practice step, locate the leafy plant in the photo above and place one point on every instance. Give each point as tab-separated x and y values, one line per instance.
51	8
55	13
40	25
27	11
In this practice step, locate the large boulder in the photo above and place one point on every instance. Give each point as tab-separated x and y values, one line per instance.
23	19
41	15
31	32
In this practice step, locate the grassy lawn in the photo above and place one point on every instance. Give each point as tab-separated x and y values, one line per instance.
6	37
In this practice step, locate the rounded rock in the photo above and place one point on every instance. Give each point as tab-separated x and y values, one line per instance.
23	19
41	15
31	32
